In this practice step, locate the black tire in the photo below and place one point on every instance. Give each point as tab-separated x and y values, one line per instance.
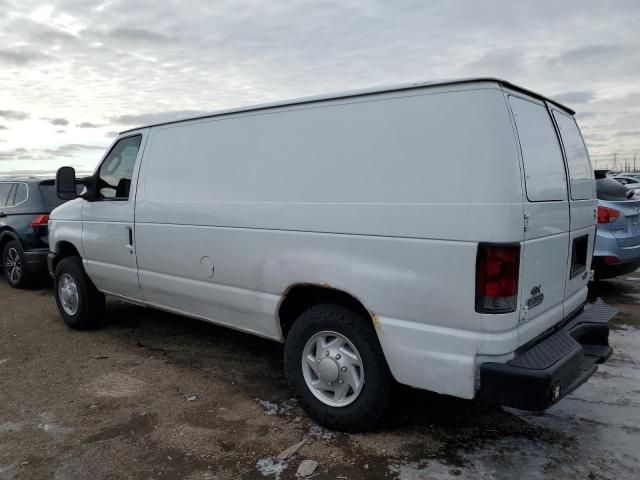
91	303
370	405
19	280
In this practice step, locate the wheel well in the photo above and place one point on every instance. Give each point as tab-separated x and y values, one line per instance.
66	249
6	237
300	297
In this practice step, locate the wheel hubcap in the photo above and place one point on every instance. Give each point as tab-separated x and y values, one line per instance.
332	369
68	294
13	265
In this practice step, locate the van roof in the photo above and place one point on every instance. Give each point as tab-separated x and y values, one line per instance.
358	93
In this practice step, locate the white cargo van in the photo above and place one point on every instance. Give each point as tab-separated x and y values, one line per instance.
438	235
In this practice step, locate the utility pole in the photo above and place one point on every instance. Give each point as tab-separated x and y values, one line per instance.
615	161
634	162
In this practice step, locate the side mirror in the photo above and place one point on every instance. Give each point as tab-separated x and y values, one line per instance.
66	183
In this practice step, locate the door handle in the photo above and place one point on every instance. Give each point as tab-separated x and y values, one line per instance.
130	244
3	215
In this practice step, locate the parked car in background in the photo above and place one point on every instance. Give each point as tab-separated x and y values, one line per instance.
320	223
630	183
617	249
25	204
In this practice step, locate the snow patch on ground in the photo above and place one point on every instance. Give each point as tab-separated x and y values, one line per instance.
282	408
320	433
271	466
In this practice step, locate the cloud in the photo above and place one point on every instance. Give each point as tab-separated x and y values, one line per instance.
4	127
499	62
47	154
138	35
628	133
13	115
150	118
575	97
21	57
87	125
57	121
590	53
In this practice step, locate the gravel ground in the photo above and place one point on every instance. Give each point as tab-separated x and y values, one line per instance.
157	396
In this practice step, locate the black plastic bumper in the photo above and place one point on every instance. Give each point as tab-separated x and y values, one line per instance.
553	367
604	271
36	260
52	260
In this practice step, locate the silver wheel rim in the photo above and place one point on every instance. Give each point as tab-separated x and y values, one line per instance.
68	294
332	369
13	265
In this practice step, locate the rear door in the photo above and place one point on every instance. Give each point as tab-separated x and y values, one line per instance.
582	201
546	211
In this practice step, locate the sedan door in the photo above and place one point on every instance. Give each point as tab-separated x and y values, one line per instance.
108	236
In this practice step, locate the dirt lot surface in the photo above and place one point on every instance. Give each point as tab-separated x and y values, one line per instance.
157	396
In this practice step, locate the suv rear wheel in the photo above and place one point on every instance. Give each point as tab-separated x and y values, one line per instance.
79	301
14	266
334	362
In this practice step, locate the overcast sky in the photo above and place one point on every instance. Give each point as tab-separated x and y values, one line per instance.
75	72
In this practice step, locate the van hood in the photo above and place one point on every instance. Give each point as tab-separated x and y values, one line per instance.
68	211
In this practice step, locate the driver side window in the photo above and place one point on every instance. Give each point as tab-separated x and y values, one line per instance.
114	178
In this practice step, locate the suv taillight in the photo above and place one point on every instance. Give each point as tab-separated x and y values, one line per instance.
608	215
497	269
40	221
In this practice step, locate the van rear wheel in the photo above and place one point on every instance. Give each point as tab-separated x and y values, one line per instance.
80	303
334	363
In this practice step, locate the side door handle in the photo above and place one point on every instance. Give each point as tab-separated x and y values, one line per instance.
130	244
3	215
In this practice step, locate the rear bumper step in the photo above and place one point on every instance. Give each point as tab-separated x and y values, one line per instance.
555	366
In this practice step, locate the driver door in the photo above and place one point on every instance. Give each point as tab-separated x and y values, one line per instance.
108	236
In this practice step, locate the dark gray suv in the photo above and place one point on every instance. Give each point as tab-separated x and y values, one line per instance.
25	204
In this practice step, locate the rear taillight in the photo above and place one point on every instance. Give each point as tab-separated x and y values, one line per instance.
608	215
497	269
40	221
610	260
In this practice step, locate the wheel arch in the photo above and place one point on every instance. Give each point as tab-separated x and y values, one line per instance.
64	249
299	297
7	235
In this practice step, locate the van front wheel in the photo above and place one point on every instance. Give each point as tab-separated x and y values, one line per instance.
81	305
334	363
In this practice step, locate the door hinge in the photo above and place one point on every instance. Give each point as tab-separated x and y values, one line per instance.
524	312
526	222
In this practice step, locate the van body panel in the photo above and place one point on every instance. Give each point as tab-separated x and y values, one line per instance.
391	276
380	140
451	355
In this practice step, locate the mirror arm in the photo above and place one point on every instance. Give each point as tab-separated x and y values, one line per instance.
90	185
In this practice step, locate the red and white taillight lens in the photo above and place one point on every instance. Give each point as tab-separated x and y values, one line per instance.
497	271
608	215
40	221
